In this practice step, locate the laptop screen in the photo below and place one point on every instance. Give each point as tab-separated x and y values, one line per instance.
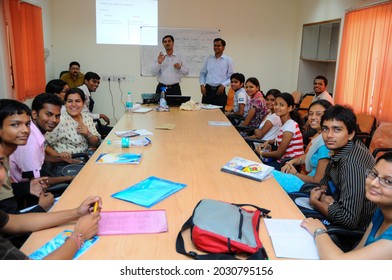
176	100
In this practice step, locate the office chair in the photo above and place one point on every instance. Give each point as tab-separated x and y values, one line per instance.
303	107
297	98
62	73
381	140
64	168
230	100
367	125
345	239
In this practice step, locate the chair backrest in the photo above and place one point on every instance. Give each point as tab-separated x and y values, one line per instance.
381	139
62	73
230	100
366	123
304	105
297	98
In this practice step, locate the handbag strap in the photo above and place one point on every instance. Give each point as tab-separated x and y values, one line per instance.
261	254
264	212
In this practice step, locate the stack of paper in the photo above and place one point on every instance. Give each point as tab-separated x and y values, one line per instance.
132	222
143	110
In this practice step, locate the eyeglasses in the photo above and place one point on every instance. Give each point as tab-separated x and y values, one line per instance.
385	182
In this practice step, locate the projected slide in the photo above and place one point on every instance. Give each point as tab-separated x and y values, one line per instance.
119	21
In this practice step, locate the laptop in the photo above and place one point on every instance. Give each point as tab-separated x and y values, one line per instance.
176	100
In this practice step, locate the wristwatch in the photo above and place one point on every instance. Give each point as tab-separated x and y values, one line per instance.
318	231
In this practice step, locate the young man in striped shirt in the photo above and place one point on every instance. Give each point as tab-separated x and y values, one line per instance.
341	197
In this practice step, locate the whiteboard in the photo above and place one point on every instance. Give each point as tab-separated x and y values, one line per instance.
193	45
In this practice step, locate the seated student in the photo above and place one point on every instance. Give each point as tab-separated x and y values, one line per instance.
91	84
257	104
288	142
269	127
14	131
86	226
315	158
30	158
340	200
58	87
241	99
76	132
73	77
376	243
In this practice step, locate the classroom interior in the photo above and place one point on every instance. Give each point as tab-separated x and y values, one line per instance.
263	39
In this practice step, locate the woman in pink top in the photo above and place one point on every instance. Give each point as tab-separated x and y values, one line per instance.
257	104
288	142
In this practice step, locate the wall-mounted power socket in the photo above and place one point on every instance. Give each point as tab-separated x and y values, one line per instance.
117	78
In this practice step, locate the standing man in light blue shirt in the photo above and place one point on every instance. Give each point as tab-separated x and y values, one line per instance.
169	68
215	76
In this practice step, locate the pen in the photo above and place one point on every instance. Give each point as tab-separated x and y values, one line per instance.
95	206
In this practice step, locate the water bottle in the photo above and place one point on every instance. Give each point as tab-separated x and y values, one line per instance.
124	142
129	103
162	101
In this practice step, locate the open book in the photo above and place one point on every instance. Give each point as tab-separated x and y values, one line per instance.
247	168
290	240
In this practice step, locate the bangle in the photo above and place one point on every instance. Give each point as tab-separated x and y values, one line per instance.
78	239
90	135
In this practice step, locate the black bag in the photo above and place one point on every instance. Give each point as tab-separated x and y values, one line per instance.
223	230
301	200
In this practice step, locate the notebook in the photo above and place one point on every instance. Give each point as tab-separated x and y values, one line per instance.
247	168
176	100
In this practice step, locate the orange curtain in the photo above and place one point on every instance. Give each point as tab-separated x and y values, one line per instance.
364	78
26	46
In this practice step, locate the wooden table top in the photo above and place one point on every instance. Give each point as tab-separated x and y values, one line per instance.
192	153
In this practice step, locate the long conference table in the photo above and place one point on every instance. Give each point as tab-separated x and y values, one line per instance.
192	153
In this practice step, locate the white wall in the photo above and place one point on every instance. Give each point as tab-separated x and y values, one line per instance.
260	43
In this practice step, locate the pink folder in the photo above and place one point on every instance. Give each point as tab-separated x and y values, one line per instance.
132	222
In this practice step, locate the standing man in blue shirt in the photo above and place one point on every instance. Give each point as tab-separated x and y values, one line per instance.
169	68
215	76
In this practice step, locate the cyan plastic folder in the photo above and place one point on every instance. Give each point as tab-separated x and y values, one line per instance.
149	191
58	241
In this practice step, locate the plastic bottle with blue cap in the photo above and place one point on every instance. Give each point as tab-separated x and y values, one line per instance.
129	103
162	101
124	142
